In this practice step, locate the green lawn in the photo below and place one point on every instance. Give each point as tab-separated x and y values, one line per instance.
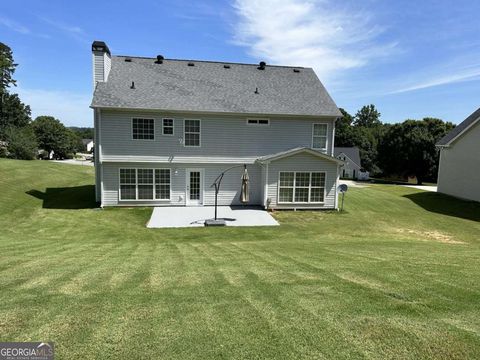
396	276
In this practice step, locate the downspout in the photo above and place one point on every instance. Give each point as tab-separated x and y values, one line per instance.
265	186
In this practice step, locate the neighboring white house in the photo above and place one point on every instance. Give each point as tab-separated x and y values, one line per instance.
459	169
352	169
89	144
166	128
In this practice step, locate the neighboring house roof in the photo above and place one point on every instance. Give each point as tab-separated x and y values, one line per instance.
86	141
353	153
208	86
458	130
295	151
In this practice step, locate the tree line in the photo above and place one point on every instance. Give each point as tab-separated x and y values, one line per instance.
20	136
393	150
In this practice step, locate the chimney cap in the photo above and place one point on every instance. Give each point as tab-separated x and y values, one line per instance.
100	46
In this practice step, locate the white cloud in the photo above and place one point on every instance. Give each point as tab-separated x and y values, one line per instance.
449	76
308	33
71	30
70	108
13	25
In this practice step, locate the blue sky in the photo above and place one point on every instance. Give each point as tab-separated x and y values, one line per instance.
410	58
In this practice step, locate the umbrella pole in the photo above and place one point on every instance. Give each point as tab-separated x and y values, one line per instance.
216	194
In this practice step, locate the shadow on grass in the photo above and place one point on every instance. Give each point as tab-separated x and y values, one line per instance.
76	197
446	205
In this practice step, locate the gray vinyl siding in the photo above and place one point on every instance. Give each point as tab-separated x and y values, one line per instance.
459	173
303	162
221	136
229	192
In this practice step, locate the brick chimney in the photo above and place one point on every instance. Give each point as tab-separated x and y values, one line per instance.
101	62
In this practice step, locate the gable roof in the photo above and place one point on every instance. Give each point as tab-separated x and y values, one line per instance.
213	87
458	130
295	151
353	153
86	141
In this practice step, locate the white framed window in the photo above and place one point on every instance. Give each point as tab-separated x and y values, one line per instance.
143	129
162	184
191	132
301	187
128	184
320	136
261	122
167	127
144	184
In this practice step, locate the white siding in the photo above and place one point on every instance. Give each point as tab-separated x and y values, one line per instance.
229	191
221	136
102	63
303	162
459	172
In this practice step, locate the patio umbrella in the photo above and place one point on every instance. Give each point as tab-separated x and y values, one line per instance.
245	197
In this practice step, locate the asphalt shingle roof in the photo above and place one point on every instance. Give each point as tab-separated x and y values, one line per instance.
459	128
210	87
352	152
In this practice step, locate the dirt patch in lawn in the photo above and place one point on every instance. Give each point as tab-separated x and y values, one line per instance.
431	236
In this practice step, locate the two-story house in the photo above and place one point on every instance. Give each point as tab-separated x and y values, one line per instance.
166	128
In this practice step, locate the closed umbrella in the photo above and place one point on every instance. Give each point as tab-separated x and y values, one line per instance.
245	197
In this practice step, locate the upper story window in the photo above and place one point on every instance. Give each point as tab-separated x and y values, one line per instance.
143	129
167	127
319	137
192	132
258	122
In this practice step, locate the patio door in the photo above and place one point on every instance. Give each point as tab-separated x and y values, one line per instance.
194	191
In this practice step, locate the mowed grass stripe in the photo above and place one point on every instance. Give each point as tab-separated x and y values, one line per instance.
391	277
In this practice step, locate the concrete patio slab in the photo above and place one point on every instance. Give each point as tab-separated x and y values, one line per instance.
179	216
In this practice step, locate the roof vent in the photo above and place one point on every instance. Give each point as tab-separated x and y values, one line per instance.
296	70
226	66
191	64
262	65
128	60
256	91
133	85
160	59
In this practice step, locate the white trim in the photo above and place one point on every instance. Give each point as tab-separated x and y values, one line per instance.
173	126
265	196
187	185
292	152
143	118
460	133
325	149
219	113
199	134
334	126
257	121
119	195
309	188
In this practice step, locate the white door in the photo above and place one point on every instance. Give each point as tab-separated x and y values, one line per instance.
194	193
